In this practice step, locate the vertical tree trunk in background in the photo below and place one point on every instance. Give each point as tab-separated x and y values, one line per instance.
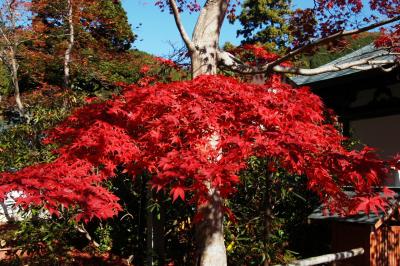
155	245
159	233
140	252
209	231
71	39
150	230
267	214
14	78
12	44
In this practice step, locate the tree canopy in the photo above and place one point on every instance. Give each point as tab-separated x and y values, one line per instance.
166	129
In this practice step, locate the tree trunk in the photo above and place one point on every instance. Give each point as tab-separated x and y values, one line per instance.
13	46
150	230
9	218
159	233
14	78
206	37
71	40
209	231
267	215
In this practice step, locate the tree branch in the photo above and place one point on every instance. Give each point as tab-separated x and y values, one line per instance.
179	24
329	38
371	62
83	230
233	63
362	64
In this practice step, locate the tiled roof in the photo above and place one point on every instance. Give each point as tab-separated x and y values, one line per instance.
365	52
361	218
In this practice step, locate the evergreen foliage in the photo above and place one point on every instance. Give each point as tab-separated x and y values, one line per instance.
266	22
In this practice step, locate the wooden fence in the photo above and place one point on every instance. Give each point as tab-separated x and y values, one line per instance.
385	246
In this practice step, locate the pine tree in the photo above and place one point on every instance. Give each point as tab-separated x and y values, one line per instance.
266	22
110	26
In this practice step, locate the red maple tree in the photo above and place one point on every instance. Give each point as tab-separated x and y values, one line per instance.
194	136
189	134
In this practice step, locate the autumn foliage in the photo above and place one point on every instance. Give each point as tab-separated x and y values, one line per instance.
188	134
328	17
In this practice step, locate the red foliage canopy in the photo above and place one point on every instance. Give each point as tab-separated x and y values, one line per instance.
186	133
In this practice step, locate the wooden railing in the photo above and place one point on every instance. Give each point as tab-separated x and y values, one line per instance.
327	258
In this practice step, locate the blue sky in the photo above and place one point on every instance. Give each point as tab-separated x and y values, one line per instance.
158	28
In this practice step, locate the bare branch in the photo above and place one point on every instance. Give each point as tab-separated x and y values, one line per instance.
179	24
330	38
179	55
83	230
4	35
231	62
388	69
332	257
389	214
358	64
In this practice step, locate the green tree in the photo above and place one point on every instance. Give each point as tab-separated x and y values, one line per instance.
270	210
100	32
266	22
110	26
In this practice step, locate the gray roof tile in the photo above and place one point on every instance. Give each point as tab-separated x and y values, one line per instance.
365	52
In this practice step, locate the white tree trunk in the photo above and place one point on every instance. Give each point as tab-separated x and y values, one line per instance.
12	43
206	37
71	40
14	78
7	215
209	232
